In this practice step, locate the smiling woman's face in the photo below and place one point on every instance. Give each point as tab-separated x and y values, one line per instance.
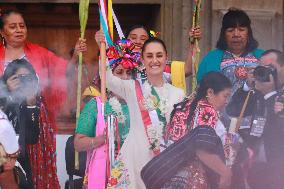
138	37
154	58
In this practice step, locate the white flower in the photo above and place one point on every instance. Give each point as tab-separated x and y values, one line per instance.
163	106
151	102
155	133
115	104
116	107
147	89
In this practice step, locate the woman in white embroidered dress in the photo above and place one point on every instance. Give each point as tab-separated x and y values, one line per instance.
150	104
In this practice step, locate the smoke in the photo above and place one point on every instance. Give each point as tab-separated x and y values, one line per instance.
4	94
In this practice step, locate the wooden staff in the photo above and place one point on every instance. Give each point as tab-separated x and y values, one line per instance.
196	49
238	124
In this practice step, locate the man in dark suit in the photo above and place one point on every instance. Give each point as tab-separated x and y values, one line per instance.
273	135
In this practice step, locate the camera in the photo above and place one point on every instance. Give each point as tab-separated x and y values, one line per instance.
262	73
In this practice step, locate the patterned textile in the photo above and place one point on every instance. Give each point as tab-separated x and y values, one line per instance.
237	68
178	126
192	176
172	161
42	155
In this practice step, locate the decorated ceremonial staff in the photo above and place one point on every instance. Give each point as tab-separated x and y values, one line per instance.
100	160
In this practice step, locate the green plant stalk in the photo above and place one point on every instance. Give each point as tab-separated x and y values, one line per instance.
83	17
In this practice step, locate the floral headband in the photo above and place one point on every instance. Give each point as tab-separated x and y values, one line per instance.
122	54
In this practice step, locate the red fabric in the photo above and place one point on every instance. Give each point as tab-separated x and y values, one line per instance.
144	114
51	71
42	155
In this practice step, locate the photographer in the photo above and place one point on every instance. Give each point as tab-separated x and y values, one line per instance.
29	116
269	174
273	135
253	111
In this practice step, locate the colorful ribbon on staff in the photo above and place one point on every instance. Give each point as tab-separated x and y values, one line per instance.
107	17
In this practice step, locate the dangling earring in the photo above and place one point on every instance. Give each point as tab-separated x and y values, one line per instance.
3	40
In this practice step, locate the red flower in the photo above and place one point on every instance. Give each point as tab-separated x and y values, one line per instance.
128	63
112	53
241	72
113	181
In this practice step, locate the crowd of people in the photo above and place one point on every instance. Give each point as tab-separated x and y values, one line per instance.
228	134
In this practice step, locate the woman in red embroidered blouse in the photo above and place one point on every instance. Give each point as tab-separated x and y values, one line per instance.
196	159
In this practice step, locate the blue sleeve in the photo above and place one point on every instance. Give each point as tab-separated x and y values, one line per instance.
201	69
258	52
211	62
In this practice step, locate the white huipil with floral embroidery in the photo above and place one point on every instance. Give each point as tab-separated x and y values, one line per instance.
136	152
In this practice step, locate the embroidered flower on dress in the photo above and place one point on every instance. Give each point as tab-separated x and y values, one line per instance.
241	72
207	116
119	177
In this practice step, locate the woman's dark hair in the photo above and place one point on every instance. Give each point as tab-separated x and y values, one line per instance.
212	80
13	67
153	40
232	19
136	27
5	14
